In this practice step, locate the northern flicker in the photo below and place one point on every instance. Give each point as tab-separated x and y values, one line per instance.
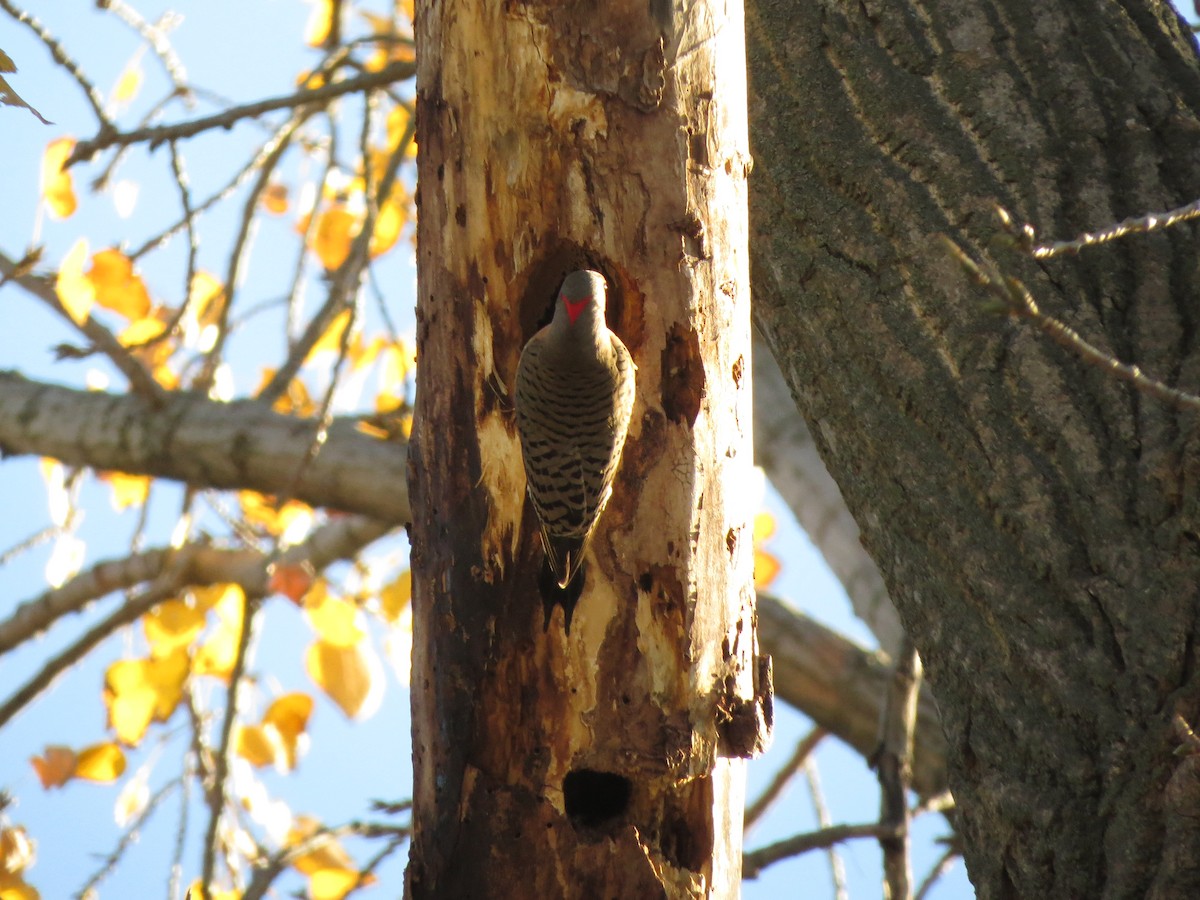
574	400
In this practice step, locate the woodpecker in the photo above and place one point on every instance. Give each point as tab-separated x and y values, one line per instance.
574	400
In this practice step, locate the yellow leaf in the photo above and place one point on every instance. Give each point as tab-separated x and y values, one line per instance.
55	767
332	337
132	799
13	887
206	298
172	625
57	188
388	224
118	287
75	290
766	569
101	762
225	598
196	891
17	850
334	619
127	490
287	720
293	517
217	655
275	198
253	745
764	526
395	596
345	674
332	884
137	691
320	23
129	83
372	430
336	228
397	128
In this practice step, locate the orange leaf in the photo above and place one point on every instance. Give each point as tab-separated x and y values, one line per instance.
336	228
253	745
75	290
55	767
766	569
275	198
293	580
57	188
101	762
118	287
348	675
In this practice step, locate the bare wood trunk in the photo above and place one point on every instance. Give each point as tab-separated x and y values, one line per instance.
1035	520
600	764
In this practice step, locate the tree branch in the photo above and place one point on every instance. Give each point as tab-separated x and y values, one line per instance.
893	763
85	150
754	862
840	687
227	446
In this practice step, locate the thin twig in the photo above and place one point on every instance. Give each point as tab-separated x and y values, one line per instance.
837	869
1134	225
944	864
156	36
1017	300
215	790
783	777
129	838
129	612
85	150
102	339
60	56
893	764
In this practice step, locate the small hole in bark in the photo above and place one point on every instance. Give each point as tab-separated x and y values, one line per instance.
595	798
646	582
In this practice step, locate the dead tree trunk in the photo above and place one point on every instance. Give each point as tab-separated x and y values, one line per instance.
604	763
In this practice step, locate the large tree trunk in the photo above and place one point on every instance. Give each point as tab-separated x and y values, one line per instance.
600	764
1035	519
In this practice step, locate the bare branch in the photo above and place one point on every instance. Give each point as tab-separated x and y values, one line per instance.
128	839
341	538
239	445
840	686
43	288
944	864
85	150
60	56
754	862
795	764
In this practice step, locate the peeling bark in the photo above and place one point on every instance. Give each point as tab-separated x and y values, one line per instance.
1036	521
552	139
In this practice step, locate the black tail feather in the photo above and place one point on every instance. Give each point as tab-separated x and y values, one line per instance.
553	595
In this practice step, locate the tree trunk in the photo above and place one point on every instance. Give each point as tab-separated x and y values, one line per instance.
604	763
1035	519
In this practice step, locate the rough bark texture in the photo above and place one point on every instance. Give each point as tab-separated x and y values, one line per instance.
784	447
557	136
1035	520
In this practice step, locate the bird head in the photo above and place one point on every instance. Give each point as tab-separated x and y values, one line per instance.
580	306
